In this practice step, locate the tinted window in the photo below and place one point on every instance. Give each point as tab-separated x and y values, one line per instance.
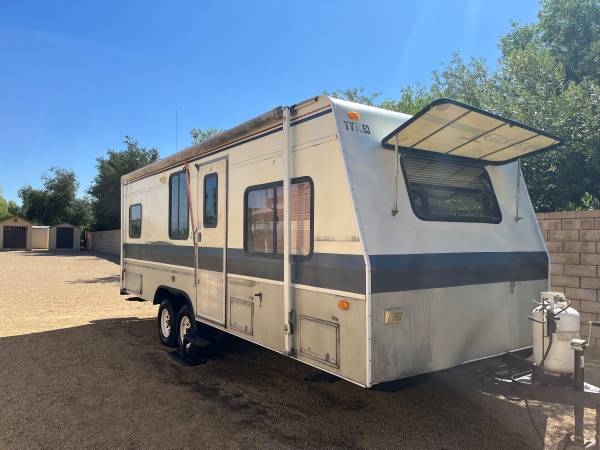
264	218
178	207
211	196
135	221
449	191
260	205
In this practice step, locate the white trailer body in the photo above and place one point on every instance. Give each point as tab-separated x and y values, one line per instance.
402	260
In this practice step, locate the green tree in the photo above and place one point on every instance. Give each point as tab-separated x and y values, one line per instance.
13	208
547	77
412	100
35	205
200	135
81	213
571	30
106	187
4	210
357	95
56	201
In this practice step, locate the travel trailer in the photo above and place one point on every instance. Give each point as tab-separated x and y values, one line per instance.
367	243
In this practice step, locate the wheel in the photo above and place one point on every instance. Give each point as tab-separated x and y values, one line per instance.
166	324
185	321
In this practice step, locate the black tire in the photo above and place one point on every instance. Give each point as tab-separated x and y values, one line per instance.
184	314
169	340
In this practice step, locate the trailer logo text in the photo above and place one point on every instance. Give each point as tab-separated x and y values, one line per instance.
357	127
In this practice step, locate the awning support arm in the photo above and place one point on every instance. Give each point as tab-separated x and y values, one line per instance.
397	163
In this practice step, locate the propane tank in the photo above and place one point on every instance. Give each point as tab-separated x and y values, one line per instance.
560	359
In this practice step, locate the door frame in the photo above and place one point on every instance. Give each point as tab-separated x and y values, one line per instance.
200	214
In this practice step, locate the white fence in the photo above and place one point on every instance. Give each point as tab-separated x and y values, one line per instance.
104	241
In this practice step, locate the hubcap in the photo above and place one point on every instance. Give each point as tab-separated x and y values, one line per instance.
165	323
184	326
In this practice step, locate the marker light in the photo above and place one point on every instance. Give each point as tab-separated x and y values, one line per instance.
353	115
344	304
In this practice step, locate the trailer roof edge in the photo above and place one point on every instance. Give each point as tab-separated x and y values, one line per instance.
197	150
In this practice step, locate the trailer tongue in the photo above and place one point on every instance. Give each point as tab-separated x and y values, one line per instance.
556	374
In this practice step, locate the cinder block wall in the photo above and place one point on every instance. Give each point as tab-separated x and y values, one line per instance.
573	240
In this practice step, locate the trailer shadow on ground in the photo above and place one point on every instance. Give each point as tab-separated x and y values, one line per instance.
111	384
107	279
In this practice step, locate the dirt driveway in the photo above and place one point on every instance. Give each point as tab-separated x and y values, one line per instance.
81	366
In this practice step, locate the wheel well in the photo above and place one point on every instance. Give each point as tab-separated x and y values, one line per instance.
176	297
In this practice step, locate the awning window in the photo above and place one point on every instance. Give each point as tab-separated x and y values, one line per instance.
453	128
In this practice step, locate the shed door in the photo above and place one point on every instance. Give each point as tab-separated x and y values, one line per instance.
15	237
64	237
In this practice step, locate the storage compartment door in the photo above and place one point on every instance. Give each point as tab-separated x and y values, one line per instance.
319	340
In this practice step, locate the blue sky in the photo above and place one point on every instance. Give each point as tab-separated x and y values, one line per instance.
77	76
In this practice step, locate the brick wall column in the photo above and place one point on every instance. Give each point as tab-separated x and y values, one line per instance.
573	240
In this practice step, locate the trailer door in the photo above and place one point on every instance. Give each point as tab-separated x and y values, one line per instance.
212	240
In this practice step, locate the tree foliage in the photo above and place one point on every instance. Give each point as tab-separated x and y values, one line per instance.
56	202
548	77
13	208
571	30
4	210
200	135
106	187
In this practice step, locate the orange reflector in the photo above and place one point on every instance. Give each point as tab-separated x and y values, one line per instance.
344	304
353	115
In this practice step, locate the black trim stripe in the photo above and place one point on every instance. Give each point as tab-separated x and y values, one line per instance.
390	273
209	258
178	255
322	270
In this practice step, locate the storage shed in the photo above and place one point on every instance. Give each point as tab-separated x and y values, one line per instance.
65	237
15	233
40	236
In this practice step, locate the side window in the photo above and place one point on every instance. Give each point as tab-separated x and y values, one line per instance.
135	221
260	217
264	218
178	207
449	191
211	198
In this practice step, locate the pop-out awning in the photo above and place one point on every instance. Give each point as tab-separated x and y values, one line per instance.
453	128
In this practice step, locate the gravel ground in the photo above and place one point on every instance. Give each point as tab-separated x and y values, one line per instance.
81	366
